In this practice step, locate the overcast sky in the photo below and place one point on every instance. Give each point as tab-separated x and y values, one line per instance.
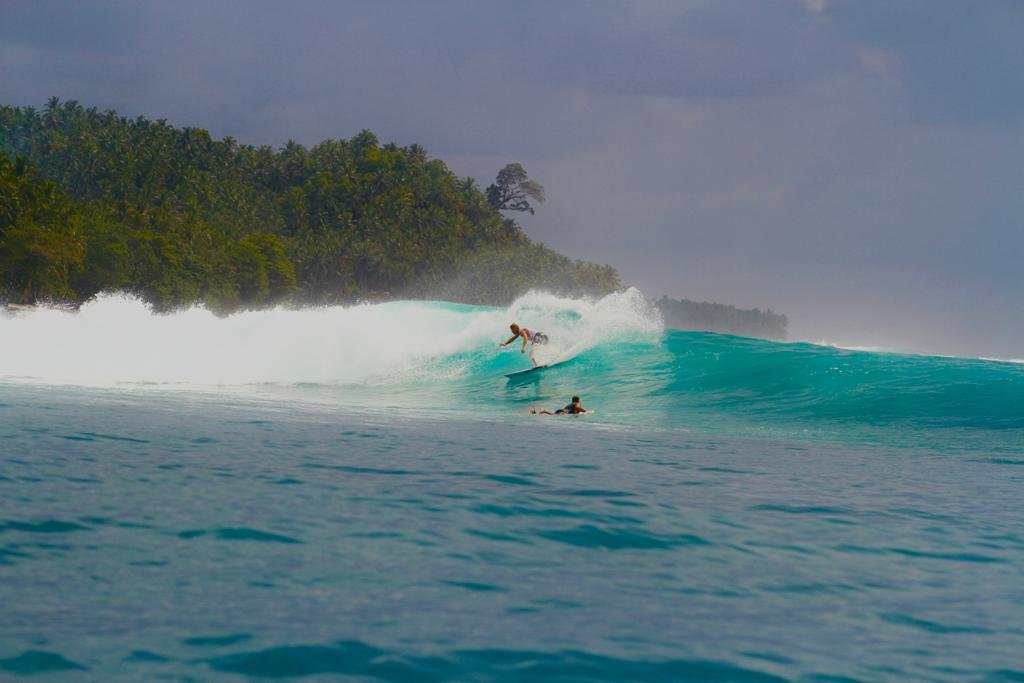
856	165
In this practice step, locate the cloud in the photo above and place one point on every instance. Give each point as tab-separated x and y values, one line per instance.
876	61
959	62
720	49
815	6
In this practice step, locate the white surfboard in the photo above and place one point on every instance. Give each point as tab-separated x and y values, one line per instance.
536	368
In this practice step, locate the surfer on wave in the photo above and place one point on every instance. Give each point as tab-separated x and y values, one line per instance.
532	336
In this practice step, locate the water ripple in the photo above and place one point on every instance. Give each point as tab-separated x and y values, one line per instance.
49	526
929	626
353	658
38	661
622	538
217	641
239	534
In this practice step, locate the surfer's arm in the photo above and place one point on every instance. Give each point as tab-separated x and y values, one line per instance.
523	350
510	340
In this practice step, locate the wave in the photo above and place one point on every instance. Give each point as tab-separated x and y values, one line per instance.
813	385
613	351
119	340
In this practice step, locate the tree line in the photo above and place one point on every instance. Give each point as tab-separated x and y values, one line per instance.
684	314
92	201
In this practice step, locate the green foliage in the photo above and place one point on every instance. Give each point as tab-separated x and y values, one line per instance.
176	217
40	237
684	314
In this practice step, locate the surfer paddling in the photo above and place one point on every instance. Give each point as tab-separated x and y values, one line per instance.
574	408
532	336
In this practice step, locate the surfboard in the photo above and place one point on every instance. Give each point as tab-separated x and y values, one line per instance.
520	373
535	369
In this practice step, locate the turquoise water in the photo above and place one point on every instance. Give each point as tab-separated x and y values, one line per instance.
182	500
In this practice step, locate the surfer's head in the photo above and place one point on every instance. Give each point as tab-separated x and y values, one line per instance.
514	328
575	399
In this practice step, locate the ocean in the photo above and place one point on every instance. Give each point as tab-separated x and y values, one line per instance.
360	493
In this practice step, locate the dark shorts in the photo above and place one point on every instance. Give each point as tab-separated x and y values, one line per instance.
540	338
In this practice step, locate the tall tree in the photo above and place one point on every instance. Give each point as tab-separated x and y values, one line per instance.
512	190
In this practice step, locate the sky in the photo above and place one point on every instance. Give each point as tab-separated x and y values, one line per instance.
854	164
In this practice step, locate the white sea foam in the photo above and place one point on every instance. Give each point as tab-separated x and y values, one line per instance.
575	325
885	349
855	347
117	340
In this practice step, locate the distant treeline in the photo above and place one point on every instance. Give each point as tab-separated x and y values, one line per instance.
684	314
91	201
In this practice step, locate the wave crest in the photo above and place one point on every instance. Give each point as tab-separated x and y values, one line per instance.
117	339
